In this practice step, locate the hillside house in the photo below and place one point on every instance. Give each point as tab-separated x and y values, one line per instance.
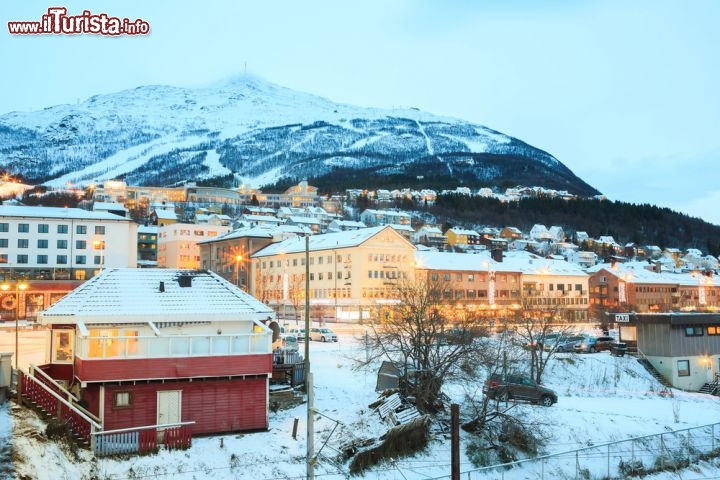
683	347
157	350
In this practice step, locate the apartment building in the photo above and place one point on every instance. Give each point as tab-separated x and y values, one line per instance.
44	243
352	274
178	243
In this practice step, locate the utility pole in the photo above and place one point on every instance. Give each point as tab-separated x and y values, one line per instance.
454	441
310	474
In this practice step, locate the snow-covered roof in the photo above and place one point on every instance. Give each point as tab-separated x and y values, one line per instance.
56	213
165	214
637	272
105	206
147	229
260	231
130	295
326	241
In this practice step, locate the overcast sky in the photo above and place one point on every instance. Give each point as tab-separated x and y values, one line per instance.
625	93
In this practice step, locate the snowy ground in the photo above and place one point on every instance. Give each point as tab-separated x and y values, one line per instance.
601	399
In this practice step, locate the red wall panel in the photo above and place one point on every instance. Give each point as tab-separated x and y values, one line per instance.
184	367
216	406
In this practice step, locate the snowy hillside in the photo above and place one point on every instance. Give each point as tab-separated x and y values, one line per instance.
602	398
245	128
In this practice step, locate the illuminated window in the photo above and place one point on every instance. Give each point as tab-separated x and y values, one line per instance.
62	346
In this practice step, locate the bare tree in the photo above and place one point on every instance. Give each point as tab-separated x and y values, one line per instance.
427	339
538	330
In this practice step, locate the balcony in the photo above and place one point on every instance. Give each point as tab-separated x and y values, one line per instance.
93	348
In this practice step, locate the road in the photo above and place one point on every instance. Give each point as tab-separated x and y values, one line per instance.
32	343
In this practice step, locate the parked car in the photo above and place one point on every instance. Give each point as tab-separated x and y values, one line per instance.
568	344
518	387
592	344
540	340
299	334
322	335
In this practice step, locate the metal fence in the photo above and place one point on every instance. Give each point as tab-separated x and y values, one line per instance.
615	460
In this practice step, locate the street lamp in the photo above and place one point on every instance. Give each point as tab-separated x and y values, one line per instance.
20	286
238	259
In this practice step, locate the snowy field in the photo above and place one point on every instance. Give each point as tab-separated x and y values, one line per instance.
601	399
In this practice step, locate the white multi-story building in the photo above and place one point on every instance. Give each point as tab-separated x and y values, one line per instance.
178	243
63	243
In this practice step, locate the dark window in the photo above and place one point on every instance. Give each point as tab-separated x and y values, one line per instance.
693	331
62	229
80	259
62	244
43	228
683	367
22	259
23	243
24	227
3	242
4	227
62	259
42	259
81	229
43	243
80	244
99	230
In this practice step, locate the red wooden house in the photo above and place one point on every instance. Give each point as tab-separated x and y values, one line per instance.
156	350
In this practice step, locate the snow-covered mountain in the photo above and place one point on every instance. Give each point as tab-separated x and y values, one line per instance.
250	131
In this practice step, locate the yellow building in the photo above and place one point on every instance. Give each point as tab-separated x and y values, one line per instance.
350	272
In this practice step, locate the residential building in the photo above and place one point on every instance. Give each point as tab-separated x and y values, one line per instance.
147	245
178	243
638	286
462	238
344	225
430	236
683	347
352	274
50	243
229	254
372	218
172	352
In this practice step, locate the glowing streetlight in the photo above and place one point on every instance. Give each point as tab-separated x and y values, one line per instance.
238	259
20	286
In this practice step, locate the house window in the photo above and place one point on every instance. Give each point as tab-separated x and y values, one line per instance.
99	230
61	260
62	244
43	243
3	242
62	229
23	243
693	331
43	228
80	244
4	227
122	400
683	368
80	259
22	259
81	229
23	227
42	259
715	330
4	258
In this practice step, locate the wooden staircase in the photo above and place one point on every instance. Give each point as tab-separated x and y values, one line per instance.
711	389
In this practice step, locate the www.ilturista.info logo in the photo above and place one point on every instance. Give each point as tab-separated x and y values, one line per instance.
57	21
